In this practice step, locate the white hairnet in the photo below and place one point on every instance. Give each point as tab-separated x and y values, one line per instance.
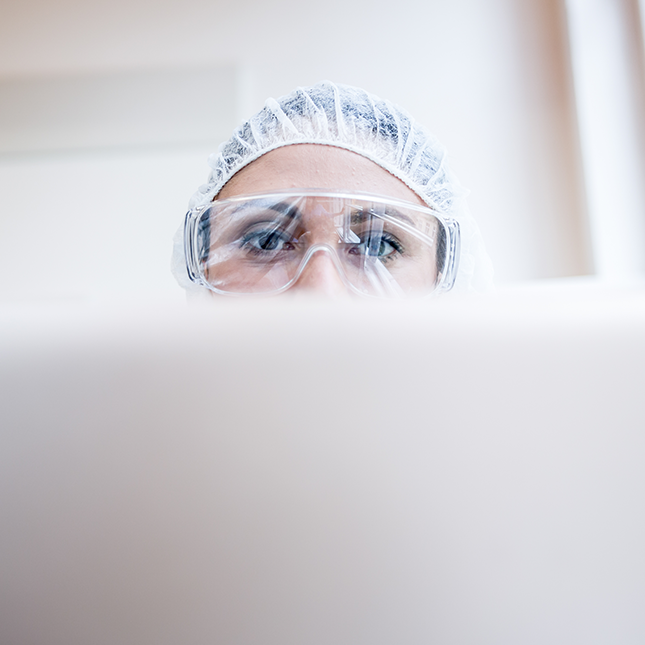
350	118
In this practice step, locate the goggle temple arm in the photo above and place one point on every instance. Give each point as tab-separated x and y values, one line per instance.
453	253
190	243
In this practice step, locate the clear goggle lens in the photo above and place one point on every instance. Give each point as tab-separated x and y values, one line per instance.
261	244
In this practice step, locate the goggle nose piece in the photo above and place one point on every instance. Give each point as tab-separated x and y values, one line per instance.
380	281
333	256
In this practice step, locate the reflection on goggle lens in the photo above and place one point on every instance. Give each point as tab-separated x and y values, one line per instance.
261	244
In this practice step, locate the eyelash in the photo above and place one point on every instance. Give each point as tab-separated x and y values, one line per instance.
389	239
270	234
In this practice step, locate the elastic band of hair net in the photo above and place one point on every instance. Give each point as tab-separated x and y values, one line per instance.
349	118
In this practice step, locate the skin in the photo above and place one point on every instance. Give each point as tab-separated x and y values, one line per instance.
317	166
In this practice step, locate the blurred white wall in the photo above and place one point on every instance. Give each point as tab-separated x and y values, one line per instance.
490	77
609	79
96	170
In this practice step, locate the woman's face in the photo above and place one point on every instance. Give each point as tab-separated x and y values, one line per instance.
317	166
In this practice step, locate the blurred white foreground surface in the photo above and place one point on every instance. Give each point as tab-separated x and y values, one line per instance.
457	472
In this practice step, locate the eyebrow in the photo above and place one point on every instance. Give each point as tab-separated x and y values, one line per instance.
289	211
284	209
359	215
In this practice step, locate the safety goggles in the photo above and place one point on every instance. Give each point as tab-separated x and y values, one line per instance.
261	244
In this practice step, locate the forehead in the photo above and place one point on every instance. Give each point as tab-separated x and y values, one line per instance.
316	166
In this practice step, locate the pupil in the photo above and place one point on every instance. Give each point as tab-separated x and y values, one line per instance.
378	249
269	242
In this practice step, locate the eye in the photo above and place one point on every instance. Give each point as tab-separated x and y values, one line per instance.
382	246
267	242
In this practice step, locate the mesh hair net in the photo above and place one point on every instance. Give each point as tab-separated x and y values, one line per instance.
350	118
